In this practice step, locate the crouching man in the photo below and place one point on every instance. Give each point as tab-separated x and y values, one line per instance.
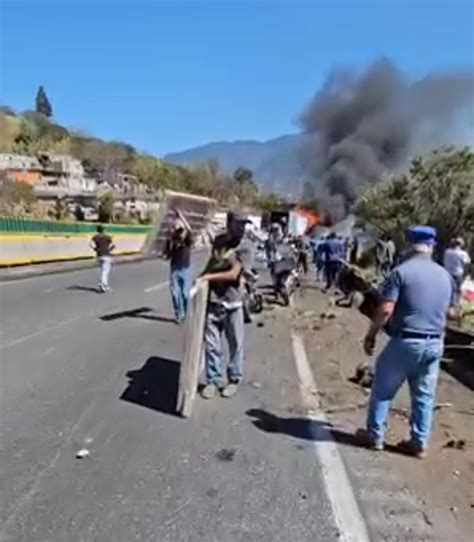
224	312
417	297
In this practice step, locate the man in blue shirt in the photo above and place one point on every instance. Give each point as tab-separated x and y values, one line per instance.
416	299
333	255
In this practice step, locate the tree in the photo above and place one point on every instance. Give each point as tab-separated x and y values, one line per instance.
43	105
16	198
437	190
271	202
106	207
243	175
61	209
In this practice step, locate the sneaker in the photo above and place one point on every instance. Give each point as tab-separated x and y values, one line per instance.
410	447
230	390
209	391
368	441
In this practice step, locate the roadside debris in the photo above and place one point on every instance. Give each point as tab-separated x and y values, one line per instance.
458	444
227	454
364	375
443	405
83	453
427	518
256	385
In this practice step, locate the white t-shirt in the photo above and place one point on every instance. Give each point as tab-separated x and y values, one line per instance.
456	260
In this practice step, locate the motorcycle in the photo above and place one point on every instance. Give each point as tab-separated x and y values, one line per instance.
252	298
286	279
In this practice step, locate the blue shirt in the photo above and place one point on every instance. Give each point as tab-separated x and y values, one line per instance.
334	250
423	292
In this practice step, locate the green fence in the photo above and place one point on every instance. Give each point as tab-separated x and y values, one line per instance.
24	225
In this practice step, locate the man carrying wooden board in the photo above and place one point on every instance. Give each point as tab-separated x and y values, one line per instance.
225	311
178	251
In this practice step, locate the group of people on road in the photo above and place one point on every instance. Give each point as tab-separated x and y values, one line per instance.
417	297
329	255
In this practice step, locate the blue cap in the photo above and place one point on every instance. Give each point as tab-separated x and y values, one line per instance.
422	235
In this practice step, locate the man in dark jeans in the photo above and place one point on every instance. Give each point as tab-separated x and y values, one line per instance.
178	250
225	311
333	250
103	245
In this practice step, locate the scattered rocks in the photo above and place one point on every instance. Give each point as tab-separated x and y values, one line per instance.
364	375
457	444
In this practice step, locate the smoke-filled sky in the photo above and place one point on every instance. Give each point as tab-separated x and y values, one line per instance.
365	123
169	75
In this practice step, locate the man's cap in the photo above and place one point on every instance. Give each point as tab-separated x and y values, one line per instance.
425	235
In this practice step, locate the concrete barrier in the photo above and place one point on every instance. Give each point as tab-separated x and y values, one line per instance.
21	249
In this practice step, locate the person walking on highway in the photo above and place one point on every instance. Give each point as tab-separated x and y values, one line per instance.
333	255
320	258
178	251
456	261
416	300
224	311
103	245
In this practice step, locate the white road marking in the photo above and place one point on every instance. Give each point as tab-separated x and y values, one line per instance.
347	515
156	287
40	332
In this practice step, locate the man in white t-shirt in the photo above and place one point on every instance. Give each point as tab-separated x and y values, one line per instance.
456	261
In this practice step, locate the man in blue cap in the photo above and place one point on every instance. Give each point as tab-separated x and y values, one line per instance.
416	299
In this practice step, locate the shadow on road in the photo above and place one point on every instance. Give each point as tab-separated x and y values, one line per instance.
306	429
154	386
140	312
83	289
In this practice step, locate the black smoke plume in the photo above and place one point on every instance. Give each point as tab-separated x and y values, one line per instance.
362	125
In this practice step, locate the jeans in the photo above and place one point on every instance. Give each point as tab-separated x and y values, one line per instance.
415	360
320	269
229	322
179	286
458	280
105	263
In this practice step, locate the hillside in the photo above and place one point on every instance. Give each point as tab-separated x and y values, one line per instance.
30	133
276	163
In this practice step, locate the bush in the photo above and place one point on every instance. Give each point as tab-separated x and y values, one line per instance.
437	190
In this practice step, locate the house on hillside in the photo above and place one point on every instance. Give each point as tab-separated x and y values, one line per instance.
56	175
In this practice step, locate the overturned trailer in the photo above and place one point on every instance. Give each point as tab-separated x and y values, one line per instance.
198	211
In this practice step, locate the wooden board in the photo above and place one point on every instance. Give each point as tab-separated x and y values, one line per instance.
193	350
196	210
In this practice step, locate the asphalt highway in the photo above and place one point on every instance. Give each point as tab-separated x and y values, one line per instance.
83	371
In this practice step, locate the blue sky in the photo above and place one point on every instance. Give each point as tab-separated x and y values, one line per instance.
168	75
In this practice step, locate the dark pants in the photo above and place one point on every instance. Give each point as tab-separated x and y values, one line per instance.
332	269
303	262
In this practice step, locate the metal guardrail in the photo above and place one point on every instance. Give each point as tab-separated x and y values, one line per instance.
24	225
